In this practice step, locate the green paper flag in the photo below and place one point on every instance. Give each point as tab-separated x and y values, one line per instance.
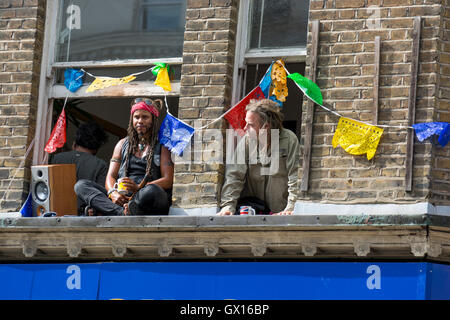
158	66
309	88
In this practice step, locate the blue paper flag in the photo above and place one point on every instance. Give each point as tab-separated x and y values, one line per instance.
27	207
426	130
73	79
266	82
273	98
174	134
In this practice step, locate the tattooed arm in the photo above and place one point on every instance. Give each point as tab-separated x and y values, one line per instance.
167	166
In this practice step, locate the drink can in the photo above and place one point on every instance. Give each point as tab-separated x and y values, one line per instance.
246	210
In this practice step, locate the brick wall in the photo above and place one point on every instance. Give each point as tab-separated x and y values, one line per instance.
21	33
440	183
206	84
345	74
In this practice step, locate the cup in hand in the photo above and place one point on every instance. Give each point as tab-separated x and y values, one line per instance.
121	188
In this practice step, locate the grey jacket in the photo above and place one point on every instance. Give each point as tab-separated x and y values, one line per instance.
277	187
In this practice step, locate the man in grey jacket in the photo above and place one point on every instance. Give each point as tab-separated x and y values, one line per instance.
273	178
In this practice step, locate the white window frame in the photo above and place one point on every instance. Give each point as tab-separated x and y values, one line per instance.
49	90
245	56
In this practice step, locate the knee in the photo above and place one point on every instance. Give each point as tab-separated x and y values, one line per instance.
155	190
81	185
152	195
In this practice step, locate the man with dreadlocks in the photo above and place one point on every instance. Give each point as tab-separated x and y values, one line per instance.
256	183
143	166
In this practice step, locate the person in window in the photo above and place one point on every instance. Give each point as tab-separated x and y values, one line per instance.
268	186
88	140
143	166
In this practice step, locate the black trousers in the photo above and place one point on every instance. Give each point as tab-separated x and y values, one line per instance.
150	200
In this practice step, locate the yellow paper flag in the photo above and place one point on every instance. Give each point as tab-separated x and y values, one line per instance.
279	84
357	138
163	80
105	82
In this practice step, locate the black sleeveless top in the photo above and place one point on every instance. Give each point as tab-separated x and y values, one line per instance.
137	166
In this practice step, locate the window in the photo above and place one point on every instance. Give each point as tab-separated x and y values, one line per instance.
113	38
269	30
157	15
268	21
105	29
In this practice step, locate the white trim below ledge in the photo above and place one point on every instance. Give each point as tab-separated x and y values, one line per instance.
313	208
205	211
317	209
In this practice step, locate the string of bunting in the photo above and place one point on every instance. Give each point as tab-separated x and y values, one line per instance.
358	137
354	136
73	80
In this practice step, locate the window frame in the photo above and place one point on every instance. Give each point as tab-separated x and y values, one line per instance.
49	90
245	56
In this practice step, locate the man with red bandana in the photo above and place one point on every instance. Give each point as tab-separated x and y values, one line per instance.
143	166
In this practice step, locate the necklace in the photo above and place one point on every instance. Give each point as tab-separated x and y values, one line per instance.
142	145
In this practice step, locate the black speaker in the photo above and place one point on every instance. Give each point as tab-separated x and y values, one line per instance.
52	189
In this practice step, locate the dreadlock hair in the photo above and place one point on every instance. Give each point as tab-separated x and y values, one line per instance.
268	111
133	138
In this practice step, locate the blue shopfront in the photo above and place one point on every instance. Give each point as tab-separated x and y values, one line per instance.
226	280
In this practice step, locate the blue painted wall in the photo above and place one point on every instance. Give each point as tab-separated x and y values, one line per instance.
226	280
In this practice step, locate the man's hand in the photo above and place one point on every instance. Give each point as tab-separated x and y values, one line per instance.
224	213
284	213
129	184
118	199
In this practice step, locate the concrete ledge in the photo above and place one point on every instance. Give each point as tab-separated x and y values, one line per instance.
160	238
200	222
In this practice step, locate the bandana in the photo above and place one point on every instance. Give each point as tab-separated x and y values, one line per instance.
143	106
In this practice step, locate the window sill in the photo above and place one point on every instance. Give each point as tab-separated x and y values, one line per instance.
131	89
289	55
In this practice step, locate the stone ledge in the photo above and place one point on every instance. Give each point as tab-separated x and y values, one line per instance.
152	222
160	238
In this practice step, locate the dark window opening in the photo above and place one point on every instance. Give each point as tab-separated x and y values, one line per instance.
292	107
111	114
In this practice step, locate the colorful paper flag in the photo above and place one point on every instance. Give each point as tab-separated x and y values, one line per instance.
309	88
27	207
58	137
236	115
426	130
266	82
163	80
105	82
73	79
357	138
279	83
174	134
